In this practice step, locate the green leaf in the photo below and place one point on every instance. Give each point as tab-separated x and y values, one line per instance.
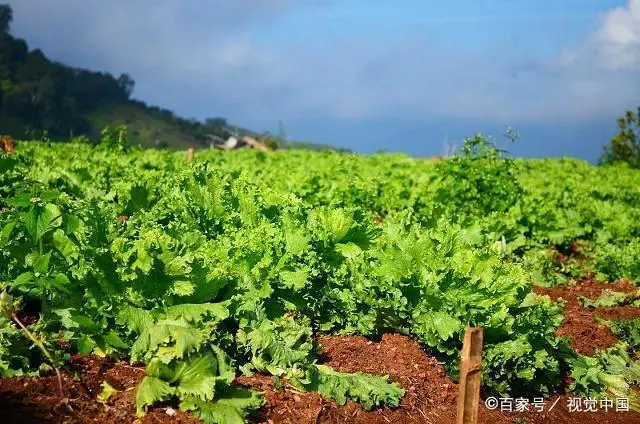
138	320
86	323
65	246
183	288
349	250
86	345
113	339
22	200
436	326
24	279
296	280
195	376
59	282
49	195
106	393
368	390
198	312
150	391
339	222
139	199
233	408
168	338
277	346
175	265
41	266
226	371
612	298
39	220
297	243
5	234
72	224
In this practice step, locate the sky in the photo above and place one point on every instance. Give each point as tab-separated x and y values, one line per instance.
405	76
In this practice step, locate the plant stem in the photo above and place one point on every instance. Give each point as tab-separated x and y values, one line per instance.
46	354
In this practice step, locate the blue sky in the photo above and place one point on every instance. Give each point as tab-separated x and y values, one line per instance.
367	75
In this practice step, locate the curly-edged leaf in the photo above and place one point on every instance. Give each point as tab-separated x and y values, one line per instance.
296	242
349	250
152	390
107	391
295	280
195	313
183	288
136	319
195	376
232	408
627	330
278	345
168	339
612	298
368	390
175	265
436	326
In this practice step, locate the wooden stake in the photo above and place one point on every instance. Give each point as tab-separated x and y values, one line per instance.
190	155
470	373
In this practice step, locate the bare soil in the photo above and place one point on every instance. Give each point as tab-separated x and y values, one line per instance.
36	400
585	334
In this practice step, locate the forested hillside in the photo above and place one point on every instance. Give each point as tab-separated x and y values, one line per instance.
43	98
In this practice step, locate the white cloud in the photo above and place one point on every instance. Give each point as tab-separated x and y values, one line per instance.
618	37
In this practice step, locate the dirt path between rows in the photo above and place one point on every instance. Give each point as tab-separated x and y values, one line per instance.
585	334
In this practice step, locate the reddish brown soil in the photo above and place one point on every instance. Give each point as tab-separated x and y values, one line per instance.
618	312
286	406
586	335
36	400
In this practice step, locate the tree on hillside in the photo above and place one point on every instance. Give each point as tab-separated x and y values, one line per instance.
6	17
39	96
625	145
126	84
215	122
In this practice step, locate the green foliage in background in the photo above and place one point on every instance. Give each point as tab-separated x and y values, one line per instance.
625	145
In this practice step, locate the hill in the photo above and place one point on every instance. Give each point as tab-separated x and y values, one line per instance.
143	127
42	98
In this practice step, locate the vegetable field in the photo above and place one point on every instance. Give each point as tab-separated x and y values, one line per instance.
254	286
